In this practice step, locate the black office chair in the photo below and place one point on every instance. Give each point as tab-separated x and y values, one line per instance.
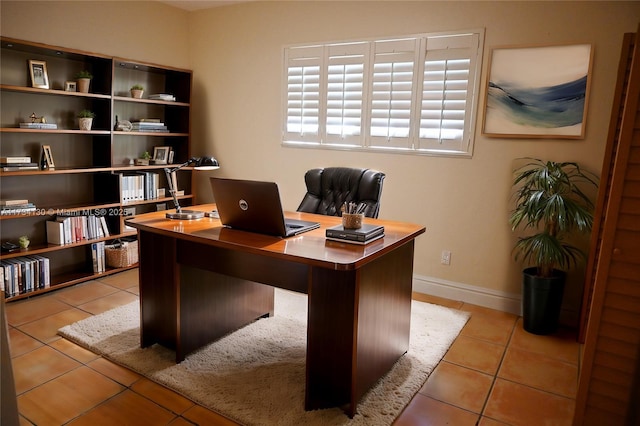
329	188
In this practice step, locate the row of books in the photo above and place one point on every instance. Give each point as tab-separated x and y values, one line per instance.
98	257
24	274
72	229
140	186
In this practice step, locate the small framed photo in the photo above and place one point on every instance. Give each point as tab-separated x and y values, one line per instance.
48	157
38	72
69	86
161	154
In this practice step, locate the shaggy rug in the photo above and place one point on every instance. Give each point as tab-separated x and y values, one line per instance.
256	375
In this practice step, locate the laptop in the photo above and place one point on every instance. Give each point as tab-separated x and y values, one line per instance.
255	206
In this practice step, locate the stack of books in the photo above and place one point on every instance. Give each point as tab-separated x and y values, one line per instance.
24	274
15	164
148	126
162	97
15	206
47	126
364	235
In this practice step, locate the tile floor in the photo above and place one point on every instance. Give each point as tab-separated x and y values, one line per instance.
493	374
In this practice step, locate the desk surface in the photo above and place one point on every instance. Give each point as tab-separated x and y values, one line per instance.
310	247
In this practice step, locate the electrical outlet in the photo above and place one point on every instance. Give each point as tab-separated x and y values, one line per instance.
445	258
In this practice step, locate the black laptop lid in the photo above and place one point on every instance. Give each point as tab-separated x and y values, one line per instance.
253	206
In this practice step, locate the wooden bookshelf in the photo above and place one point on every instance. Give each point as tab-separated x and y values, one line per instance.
87	163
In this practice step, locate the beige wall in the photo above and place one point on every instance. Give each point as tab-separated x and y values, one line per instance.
146	31
236	54
463	203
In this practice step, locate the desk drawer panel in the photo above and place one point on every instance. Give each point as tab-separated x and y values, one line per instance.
266	270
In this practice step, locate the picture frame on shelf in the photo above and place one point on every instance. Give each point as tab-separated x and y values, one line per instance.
38	73
161	154
48	157
538	91
70	86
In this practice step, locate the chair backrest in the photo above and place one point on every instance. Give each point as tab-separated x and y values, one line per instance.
329	188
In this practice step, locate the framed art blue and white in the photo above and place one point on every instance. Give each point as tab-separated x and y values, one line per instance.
538	92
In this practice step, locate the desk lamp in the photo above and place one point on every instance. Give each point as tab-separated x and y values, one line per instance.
199	163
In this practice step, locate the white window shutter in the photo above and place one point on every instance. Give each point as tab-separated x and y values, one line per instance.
447	94
303	105
346	70
392	93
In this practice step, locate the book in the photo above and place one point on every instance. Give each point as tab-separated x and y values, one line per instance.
20	168
345	240
55	232
364	234
162	97
17	209
13	160
13	202
48	126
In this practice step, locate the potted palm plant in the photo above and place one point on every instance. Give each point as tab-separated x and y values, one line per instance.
550	201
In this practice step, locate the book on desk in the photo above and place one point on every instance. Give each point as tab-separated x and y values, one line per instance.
363	235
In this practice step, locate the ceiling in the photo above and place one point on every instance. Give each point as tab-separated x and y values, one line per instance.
192	5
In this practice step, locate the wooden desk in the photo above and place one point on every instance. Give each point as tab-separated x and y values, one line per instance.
200	281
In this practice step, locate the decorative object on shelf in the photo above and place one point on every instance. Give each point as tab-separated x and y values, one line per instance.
46	162
85	119
549	200
35	119
137	91
23	241
38	73
161	154
123	125
143	160
121	254
202	163
38	123
70	86
538	92
84	79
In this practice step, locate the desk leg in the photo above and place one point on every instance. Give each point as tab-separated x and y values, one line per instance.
158	277
185	307
358	328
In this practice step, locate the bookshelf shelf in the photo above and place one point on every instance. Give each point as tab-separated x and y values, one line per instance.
89	165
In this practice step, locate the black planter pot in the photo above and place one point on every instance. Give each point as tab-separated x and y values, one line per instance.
541	301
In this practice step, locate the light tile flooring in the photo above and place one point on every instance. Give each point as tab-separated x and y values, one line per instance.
493	374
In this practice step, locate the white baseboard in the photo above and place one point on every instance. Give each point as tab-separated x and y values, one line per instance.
499	300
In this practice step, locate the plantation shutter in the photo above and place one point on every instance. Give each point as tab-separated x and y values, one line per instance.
392	91
303	94
345	93
448	81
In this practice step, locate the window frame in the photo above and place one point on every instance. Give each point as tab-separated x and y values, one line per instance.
342	53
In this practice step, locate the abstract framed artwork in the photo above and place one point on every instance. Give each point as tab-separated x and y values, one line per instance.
538	92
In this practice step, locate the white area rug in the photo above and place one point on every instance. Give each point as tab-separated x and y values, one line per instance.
256	375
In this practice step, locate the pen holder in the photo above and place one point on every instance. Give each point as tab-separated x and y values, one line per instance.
352	221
